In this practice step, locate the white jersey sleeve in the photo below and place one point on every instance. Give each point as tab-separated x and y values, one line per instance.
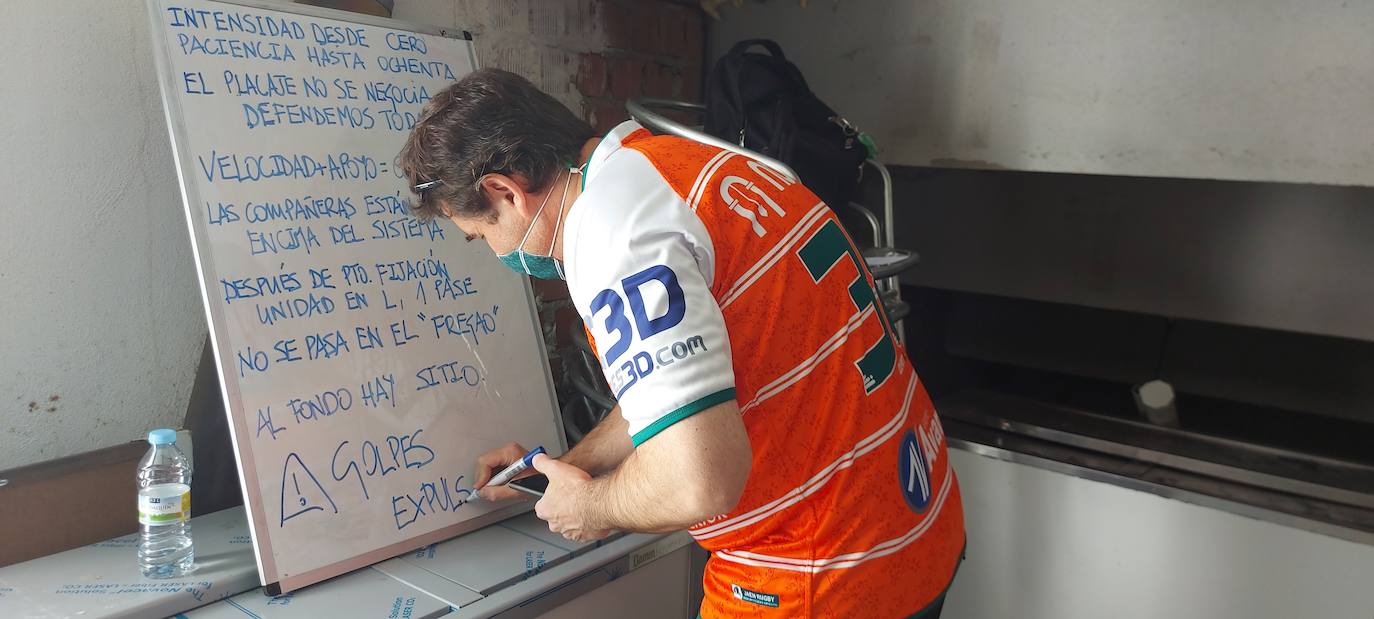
639	267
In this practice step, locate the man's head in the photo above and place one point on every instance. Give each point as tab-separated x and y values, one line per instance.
486	151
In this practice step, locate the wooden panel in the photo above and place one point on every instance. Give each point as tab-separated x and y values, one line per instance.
62	504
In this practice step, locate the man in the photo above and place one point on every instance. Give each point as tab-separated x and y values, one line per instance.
764	404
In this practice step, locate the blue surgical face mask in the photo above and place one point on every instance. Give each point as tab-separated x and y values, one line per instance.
543	267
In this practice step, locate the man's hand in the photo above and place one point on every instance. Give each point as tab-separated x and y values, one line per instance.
562	504
494	462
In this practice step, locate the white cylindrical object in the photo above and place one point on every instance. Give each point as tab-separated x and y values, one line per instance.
1155	400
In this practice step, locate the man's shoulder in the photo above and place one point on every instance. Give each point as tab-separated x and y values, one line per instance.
680	162
626	184
629	214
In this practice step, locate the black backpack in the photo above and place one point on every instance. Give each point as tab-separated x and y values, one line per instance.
762	102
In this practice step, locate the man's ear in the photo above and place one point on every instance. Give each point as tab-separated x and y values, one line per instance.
505	192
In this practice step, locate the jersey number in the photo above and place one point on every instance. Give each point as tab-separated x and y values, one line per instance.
820	254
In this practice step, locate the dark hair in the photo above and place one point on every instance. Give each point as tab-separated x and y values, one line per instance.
491	121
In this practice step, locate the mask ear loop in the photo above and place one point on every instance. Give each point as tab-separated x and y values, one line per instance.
562	204
521	246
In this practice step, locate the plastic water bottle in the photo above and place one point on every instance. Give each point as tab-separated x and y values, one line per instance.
164	509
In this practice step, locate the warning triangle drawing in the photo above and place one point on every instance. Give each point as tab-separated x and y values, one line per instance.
300	491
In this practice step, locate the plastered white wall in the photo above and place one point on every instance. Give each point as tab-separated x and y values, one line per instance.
1262	90
101	324
538	39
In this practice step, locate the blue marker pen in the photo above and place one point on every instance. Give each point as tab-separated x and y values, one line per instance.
516	468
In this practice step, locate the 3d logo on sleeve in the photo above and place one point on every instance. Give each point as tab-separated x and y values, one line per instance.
635	288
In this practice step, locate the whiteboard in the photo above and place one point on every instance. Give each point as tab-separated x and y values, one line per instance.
366	357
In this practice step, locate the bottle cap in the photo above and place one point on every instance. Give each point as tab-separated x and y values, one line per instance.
163	436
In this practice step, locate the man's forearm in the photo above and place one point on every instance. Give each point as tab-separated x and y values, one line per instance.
694	470
604	448
627	500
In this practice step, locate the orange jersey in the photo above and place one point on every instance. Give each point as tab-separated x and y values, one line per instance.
703	276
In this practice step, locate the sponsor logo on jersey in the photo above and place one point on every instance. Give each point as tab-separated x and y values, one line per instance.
609	307
914	473
921	447
754	597
642	364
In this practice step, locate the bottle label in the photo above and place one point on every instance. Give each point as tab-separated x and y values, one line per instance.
164	504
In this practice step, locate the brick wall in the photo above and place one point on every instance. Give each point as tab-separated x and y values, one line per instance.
590	54
653	49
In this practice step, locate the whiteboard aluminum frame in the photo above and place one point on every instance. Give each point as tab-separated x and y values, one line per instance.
268	574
